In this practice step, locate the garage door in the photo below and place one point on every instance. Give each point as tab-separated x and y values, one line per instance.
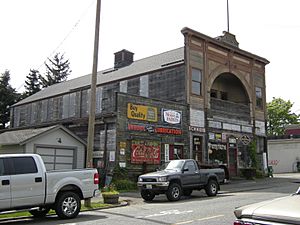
57	158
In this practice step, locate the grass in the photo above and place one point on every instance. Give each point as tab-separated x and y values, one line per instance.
94	205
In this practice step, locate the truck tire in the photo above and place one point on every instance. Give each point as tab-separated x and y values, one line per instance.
187	192
68	205
174	192
39	213
211	188
147	195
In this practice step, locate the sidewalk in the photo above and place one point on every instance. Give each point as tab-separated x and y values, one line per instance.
233	185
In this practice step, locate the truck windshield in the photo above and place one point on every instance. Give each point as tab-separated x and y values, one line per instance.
175	165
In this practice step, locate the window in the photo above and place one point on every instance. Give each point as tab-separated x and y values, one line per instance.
144	86
2	172
213	93
196	81
259	100
224	95
23	165
190	165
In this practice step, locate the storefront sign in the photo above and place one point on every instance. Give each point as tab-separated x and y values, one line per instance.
98	154
197	118
245	139
197	129
218	146
164	130
145	151
218	137
211	136
153	129
171	116
141	112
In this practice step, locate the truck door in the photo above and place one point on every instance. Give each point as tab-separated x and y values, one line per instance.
191	175
27	183
5	194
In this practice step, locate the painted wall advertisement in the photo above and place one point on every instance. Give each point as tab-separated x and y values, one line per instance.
141	112
171	116
145	151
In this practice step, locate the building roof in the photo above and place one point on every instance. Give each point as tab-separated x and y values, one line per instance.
142	66
23	136
221	42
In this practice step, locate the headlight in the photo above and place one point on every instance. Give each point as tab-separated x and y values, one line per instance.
140	179
162	179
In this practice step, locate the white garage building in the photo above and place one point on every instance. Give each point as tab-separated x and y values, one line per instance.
283	155
58	146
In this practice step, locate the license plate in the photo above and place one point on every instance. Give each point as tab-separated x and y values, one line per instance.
148	186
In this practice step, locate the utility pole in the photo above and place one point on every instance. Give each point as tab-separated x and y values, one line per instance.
227	16
91	125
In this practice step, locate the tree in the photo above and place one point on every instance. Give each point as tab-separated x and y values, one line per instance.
280	115
32	84
8	96
57	70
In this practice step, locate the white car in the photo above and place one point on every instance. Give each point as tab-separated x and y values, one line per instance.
279	211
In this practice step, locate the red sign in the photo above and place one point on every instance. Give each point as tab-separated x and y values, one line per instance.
153	129
145	151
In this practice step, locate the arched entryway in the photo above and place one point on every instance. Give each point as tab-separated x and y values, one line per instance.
229	102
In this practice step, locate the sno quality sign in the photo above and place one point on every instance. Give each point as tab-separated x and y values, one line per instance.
171	116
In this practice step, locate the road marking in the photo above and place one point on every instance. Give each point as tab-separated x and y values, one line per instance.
164	213
205	218
211	217
185	222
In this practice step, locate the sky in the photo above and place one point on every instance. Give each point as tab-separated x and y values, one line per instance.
34	30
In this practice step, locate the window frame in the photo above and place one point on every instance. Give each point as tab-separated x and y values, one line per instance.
197	82
259	99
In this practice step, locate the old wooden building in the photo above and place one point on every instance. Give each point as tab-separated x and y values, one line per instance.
205	100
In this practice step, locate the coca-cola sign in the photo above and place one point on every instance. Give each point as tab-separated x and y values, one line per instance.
145	151
171	116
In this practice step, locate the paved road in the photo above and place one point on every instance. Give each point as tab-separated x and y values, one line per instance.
197	209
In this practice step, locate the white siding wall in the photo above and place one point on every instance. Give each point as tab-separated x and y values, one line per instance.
67	141
11	149
283	155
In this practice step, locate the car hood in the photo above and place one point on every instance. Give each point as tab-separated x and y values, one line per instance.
160	173
281	210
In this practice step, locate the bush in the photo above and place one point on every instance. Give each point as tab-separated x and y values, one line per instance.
259	174
110	189
248	173
125	185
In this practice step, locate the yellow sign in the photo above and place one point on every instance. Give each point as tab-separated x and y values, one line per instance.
141	112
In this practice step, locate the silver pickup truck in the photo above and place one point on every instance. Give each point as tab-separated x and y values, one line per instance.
25	184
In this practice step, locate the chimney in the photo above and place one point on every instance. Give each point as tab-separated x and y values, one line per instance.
123	58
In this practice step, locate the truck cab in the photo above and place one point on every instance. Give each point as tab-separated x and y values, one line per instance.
22	182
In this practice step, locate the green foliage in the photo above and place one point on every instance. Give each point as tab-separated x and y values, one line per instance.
8	96
119	173
109	189
280	115
125	185
253	154
259	174
57	70
32	84
121	179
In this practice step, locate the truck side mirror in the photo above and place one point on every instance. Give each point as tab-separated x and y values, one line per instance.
185	169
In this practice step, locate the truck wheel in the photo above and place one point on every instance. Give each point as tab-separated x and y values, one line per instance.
68	205
39	213
174	192
147	195
187	192
211	188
